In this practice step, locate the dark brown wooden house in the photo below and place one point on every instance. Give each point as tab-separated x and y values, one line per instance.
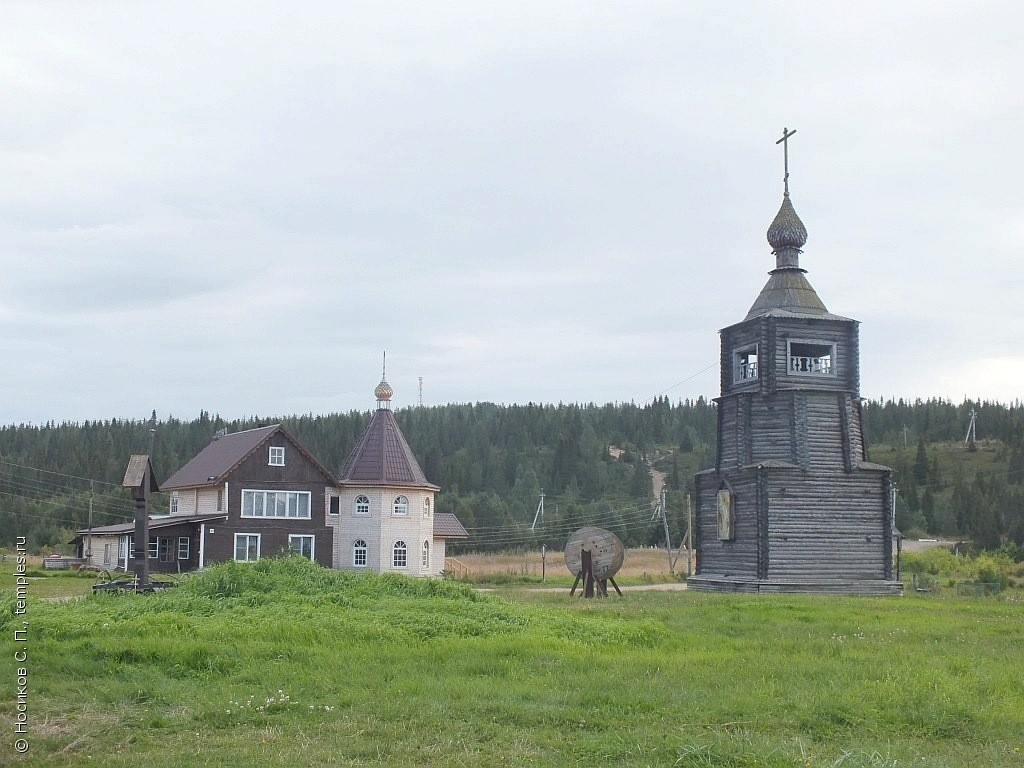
271	490
792	504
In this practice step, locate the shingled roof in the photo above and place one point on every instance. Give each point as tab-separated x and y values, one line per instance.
447	526
383	457
224	453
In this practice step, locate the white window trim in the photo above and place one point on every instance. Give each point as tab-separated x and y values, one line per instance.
366	553
259	547
404	503
153	550
394	554
356	505
426	506
312	544
187	549
275	457
286	516
174	502
426	555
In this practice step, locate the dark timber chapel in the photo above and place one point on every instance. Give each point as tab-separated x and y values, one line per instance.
793	504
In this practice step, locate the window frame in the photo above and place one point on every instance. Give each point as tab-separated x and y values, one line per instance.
334	505
743	371
400	555
153	550
400	506
174	502
361	505
426	555
265	505
312	545
259	547
359	547
426	506
184	547
164	549
811	356
275	457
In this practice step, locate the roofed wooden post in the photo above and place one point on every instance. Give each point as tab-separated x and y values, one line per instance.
138	477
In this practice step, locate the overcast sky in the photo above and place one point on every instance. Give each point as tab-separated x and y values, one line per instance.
237	206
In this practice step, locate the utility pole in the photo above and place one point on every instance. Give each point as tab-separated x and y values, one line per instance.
972	434
539	514
689	537
659	509
543	562
88	539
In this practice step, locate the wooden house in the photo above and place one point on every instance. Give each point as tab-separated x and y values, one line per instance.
260	493
792	504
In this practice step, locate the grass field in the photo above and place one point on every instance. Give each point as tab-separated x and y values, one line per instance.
283	663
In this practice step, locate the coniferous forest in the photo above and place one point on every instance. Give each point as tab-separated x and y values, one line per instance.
595	465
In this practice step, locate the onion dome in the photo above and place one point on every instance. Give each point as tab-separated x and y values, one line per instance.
787	235
383	393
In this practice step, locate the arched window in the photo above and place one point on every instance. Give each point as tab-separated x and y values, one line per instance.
400	557
426	507
401	505
362	505
359	553
426	555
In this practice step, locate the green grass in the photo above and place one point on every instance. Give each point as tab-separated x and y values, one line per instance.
283	663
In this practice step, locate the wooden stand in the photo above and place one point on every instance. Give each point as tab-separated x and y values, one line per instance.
592	587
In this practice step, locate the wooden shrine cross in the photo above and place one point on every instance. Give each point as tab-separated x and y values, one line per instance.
784	141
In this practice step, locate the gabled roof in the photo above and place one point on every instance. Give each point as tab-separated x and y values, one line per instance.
383	457
447	526
161	521
212	464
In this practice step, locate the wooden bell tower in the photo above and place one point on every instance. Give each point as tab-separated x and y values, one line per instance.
793	504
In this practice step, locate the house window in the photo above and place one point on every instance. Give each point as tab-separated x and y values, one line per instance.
359	554
301	544
362	505
220	499
401	506
295	504
166	554
247	547
183	547
335	506
745	366
400	556
174	502
107	551
426	555
426	507
154	549
126	548
277	455
812	358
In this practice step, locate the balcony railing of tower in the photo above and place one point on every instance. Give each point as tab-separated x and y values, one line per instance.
746	371
820	366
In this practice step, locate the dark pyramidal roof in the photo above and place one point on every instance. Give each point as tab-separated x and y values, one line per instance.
382	456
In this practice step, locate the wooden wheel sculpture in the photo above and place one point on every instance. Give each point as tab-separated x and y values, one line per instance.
595	556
